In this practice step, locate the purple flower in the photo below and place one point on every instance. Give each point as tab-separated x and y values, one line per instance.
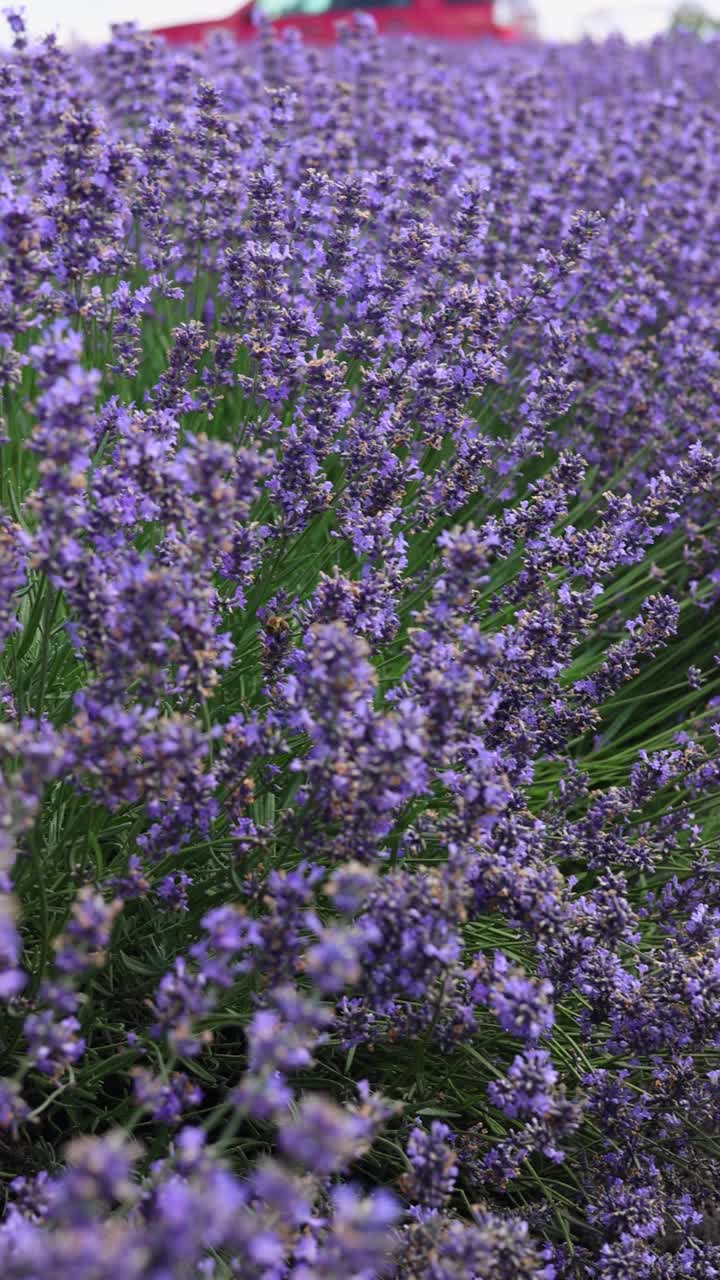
434	1167
13	1109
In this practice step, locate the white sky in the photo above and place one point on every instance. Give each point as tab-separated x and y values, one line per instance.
560	19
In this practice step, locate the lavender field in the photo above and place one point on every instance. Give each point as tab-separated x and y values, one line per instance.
359	661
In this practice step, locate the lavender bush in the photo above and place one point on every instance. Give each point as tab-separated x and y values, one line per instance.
359	906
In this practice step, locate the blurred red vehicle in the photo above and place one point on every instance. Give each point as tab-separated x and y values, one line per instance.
317	19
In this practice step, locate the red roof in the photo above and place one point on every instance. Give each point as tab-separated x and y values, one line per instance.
318	20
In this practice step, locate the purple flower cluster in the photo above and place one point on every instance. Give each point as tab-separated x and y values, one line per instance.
359	742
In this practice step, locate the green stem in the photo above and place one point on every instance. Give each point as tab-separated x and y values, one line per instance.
51	600
37	867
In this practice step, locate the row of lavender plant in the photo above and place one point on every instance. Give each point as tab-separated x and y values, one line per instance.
359	895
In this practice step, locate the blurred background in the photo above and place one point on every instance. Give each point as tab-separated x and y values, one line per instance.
554	19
